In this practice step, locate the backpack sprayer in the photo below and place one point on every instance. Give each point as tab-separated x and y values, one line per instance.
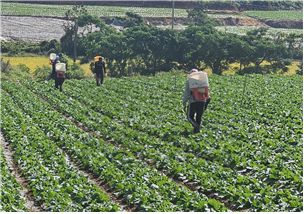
60	69
198	84
52	58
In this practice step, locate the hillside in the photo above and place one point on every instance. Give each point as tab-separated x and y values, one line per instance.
35	29
224	5
37	22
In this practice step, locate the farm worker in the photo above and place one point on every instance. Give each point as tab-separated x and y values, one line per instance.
58	81
57	60
99	70
194	107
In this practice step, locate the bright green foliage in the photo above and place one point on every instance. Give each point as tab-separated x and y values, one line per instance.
55	183
11	199
250	156
279	14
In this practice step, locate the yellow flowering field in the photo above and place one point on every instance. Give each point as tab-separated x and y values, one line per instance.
86	68
31	62
234	66
34	61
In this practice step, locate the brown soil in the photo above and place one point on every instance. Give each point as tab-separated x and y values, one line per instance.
230	21
284	23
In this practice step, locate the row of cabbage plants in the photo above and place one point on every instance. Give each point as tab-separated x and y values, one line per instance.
156	117
11	199
133	179
56	184
185	167
271	163
272	175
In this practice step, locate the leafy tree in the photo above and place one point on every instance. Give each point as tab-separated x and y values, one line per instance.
71	28
293	42
143	44
256	34
52	46
116	49
200	18
264	49
94	42
239	51
211	48
79	17
159	45
173	51
193	50
135	19
295	45
67	41
189	43
215	51
91	41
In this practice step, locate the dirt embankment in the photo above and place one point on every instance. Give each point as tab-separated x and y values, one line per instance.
253	21
233	21
284	23
273	23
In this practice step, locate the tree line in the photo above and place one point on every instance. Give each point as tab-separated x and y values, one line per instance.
147	50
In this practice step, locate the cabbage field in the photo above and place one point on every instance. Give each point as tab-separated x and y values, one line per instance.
132	136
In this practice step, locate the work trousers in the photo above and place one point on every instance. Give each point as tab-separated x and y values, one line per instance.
59	82
196	108
99	75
